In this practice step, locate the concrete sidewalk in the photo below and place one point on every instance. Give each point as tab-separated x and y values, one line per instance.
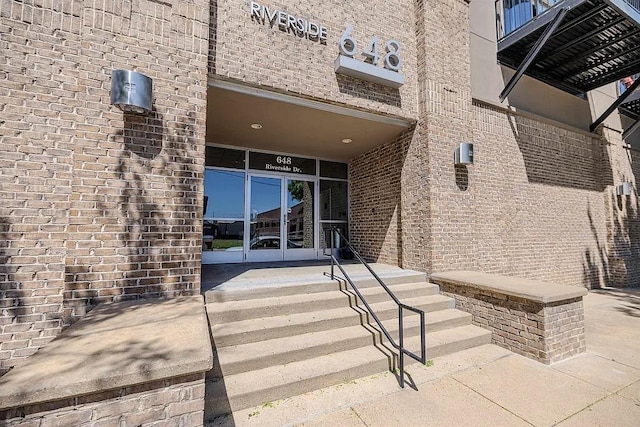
491	386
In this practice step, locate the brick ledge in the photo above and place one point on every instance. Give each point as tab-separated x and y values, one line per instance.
532	290
115	345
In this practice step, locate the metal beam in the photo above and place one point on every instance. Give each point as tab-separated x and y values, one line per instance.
615	105
580	40
575	21
566	71
534	25
551	81
631	128
560	14
609	76
619	38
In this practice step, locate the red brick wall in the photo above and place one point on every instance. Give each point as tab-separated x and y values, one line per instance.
96	205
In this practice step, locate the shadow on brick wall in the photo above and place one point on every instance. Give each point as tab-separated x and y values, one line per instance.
615	262
5	259
154	208
213	35
553	156
7	300
462	177
370	91
12	304
376	199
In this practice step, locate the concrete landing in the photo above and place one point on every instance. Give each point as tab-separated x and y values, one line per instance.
490	386
252	276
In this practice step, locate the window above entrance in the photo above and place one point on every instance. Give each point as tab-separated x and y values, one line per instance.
225	158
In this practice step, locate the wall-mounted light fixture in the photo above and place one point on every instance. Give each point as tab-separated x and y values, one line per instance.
463	154
132	92
624	189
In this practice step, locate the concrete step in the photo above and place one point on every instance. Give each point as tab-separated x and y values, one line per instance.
251	388
288	349
295	285
233	311
265	328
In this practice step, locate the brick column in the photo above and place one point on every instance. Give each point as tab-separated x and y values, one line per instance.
437	198
97	205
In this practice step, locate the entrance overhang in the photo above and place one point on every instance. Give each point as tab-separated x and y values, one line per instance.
596	43
291	124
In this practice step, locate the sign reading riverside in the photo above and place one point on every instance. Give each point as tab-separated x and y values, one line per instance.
284	21
280	163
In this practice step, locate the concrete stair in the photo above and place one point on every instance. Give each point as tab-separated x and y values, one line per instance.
289	341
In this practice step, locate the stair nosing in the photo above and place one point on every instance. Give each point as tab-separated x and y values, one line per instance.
330	314
321	339
313	373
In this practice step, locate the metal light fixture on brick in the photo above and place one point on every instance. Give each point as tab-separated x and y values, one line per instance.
463	154
132	92
624	189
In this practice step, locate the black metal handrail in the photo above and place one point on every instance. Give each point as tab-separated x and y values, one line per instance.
400	347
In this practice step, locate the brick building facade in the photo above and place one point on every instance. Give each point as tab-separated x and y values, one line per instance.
99	205
96	205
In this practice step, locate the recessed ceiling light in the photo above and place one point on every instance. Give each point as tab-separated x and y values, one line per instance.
347	140
256	126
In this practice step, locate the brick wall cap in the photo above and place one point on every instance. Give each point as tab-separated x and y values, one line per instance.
116	345
533	290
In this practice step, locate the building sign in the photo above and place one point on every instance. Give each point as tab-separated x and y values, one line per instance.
280	163
368	69
286	22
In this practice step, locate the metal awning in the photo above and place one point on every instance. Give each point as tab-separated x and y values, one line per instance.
594	43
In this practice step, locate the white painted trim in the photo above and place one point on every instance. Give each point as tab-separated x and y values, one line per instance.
365	71
316	105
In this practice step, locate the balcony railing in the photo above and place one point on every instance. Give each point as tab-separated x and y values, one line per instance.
634	4
513	14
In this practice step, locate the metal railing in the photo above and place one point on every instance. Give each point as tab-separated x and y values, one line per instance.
513	14
634	4
398	346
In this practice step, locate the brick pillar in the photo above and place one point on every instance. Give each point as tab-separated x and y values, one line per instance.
36	146
438	198
619	265
97	205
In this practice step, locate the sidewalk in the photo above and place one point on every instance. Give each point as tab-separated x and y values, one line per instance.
491	386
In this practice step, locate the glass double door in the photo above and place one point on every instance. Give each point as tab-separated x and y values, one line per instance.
281	214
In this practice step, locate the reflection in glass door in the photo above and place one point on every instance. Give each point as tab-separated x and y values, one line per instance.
223	222
299	219
265	219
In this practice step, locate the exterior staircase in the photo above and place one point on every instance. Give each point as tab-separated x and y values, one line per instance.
283	341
